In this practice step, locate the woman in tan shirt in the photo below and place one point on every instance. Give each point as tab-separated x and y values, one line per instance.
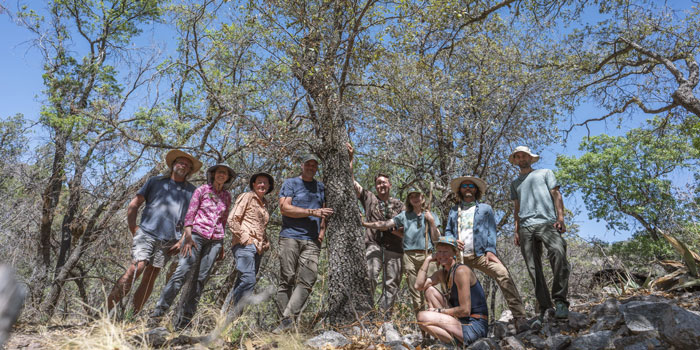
247	222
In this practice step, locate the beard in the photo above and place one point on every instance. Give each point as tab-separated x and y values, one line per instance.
181	172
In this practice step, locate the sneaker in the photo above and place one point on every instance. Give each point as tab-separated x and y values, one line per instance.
284	325
562	310
536	323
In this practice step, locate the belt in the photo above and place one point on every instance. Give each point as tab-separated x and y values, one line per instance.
484	317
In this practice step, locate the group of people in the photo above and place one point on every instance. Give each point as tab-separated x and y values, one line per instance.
402	238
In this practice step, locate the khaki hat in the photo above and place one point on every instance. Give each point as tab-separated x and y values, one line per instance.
308	157
525	149
481	184
231	174
176	153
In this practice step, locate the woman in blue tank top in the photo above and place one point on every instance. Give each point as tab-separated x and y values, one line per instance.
461	314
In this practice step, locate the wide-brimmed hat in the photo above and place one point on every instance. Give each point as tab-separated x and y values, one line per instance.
309	156
269	178
481	184
212	170
176	153
448	240
525	149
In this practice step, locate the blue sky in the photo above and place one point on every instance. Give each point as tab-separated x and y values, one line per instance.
20	92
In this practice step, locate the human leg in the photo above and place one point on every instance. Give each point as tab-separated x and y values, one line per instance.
174	284
500	274
289	255
531	248
123	285
446	328
434	299
207	258
392	265
245	265
306	276
412	261
145	288
556	253
373	257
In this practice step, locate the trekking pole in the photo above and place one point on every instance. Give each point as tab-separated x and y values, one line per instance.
427	229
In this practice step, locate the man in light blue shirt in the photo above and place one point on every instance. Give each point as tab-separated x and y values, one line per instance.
539	220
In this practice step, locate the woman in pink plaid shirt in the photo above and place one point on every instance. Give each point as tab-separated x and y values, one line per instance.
201	243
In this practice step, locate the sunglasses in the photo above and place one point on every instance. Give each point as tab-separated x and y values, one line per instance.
467	186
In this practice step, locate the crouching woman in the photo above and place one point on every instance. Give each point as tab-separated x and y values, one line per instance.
461	314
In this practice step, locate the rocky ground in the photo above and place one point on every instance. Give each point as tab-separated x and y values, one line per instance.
633	322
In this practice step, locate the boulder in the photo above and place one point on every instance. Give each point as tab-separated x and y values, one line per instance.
484	344
390	333
500	330
578	320
558	342
642	341
674	324
512	343
593	341
607	315
327	338
531	339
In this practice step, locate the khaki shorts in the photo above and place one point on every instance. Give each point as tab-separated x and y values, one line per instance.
149	249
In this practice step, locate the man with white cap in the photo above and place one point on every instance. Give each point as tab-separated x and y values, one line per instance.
473	224
539	220
167	198
302	205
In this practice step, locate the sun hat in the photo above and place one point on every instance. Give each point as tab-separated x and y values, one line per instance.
448	240
481	184
525	149
176	153
212	170
269	178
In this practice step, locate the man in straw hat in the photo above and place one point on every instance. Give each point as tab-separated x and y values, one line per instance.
473	224
302	205
383	248
167	198
539	220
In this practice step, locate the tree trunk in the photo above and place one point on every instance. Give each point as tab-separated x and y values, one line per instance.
349	292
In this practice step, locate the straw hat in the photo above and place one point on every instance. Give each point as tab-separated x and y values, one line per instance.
176	153
481	184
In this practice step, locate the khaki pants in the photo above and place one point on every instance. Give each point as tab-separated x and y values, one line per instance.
389	269
298	266
502	277
412	262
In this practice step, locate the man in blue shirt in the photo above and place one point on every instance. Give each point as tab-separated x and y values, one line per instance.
167	198
302	201
539	220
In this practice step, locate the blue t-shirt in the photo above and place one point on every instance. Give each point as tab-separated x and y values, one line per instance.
166	206
414	230
304	194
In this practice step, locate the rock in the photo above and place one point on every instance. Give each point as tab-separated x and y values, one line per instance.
390	333
155	337
642	341
413	339
512	343
593	341
675	325
327	338
500	330
558	342
484	344
397	345
607	315
578	320
532	339
506	316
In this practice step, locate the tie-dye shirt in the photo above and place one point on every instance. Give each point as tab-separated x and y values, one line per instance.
208	211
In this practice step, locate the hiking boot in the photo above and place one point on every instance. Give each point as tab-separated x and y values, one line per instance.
155	317
562	310
284	325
